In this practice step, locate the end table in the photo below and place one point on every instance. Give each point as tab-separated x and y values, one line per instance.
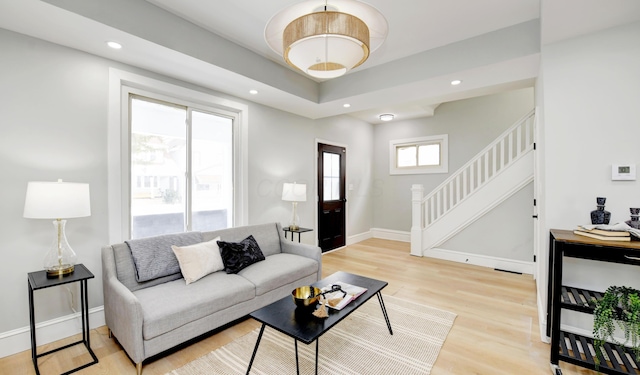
39	280
299	230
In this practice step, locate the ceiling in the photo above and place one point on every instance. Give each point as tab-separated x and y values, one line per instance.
491	45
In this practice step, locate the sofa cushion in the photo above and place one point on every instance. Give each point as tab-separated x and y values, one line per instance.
153	256
198	260
266	235
278	270
239	255
171	305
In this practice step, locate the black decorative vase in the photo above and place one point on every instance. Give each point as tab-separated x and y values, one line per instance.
600	215
635	220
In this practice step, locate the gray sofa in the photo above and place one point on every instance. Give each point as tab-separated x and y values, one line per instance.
150	317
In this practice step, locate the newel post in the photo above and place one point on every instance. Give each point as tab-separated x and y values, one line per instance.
417	194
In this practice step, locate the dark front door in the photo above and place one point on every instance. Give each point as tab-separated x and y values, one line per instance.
332	161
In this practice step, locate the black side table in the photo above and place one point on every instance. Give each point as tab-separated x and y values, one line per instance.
39	280
299	230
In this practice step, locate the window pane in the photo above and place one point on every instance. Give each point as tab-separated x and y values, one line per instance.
212	166
331	178
406	156
429	155
158	166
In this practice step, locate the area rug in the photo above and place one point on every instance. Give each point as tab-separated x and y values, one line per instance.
360	344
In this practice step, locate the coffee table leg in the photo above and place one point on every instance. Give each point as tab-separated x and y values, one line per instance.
296	344
384	312
297	365
317	349
255	350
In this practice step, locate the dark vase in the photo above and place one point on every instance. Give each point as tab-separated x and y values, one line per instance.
635	221
600	215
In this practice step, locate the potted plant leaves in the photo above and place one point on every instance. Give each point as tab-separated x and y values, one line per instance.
619	307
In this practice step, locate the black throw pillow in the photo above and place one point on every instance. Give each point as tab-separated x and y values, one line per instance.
239	255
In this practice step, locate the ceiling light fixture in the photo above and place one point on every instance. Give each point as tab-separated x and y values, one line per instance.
253	92
114	45
386	116
456	82
346	105
326	39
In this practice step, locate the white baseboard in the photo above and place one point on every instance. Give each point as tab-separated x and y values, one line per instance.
19	340
481	260
393	235
359	237
542	320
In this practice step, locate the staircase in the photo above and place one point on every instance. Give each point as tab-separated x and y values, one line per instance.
493	175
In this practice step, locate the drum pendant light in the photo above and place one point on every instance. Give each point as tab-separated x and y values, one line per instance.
328	40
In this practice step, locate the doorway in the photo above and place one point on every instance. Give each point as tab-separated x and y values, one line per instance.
332	162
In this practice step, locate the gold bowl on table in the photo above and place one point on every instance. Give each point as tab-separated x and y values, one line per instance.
306	296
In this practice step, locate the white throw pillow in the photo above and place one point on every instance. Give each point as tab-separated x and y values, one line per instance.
197	261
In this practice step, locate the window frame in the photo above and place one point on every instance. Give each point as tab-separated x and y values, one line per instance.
121	85
151	182
442	140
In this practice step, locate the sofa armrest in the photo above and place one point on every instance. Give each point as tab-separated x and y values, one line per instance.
122	309
308	251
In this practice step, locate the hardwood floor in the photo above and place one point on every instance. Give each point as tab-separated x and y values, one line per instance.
496	331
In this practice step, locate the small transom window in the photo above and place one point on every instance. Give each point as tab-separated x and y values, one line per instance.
419	155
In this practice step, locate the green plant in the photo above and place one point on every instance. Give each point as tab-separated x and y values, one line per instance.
619	307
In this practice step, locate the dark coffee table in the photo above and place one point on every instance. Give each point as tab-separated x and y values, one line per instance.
302	326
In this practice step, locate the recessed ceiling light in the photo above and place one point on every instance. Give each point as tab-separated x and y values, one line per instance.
387	116
114	45
346	105
456	82
253	92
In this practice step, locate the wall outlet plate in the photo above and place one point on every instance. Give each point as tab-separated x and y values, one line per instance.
623	172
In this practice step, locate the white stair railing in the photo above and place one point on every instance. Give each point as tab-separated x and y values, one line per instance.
488	163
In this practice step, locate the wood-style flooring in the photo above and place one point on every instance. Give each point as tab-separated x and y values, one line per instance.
496	331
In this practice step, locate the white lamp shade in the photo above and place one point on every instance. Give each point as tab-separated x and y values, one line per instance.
57	200
293	192
342	51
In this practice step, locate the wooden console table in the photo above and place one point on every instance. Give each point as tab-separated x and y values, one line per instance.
564	345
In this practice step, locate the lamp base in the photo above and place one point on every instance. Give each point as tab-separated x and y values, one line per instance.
293	225
60	270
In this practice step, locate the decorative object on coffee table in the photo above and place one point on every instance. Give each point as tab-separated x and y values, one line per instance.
306	296
635	221
321	312
600	215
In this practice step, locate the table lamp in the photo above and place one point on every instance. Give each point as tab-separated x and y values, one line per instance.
59	201
294	193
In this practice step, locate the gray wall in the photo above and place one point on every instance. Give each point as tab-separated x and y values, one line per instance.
505	232
282	148
471	125
53	123
591	96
